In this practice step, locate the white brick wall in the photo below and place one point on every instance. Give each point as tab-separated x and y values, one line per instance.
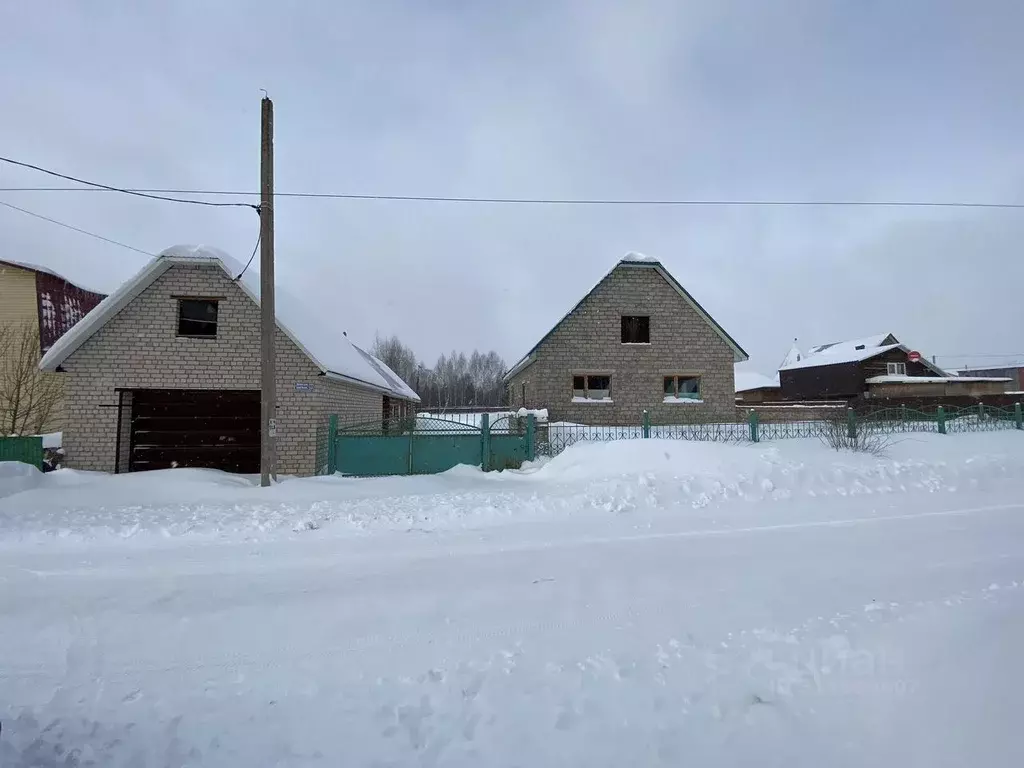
139	348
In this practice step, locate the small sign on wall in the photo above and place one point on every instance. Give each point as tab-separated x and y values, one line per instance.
303	386
272	427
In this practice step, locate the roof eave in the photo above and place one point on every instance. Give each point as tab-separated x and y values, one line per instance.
335	376
519	367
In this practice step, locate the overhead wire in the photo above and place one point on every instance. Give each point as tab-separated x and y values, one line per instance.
76	229
255	248
135	192
695	202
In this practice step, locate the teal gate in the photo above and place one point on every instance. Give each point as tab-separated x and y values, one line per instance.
427	445
25	449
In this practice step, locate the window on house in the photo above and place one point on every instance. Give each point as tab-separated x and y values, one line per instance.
896	369
684	387
636	329
591	387
197	317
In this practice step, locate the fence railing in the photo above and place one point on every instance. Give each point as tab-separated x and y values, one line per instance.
555	437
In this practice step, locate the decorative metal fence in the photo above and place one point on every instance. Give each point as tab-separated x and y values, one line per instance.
555	437
430	442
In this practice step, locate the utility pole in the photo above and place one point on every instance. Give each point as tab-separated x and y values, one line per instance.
268	324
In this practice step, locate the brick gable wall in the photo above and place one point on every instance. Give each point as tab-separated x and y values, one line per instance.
589	341
139	348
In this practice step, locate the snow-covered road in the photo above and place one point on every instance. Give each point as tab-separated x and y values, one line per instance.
878	629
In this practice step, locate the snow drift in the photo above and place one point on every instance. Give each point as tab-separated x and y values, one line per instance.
652	477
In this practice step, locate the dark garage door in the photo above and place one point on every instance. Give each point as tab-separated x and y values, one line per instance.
219	429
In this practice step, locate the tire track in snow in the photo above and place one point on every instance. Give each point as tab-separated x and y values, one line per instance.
438	636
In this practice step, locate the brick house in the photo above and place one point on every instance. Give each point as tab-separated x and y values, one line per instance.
36	301
166	372
636	341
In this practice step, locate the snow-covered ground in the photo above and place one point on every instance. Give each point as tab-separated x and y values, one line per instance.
648	602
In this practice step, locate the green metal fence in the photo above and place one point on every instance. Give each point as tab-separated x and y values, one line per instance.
427	445
28	450
555	437
435	442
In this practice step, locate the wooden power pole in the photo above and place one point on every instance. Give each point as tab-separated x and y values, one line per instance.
268	324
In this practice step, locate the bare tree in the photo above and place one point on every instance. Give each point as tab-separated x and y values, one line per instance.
455	380
837	433
396	356
29	398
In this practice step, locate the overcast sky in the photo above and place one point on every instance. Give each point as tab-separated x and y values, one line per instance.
794	99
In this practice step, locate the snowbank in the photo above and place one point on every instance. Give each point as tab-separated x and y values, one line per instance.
641	476
16	476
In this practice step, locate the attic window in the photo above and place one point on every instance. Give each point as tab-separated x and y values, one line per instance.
197	318
896	369
636	329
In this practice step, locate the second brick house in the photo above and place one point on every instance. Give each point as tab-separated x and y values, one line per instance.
166	372
637	341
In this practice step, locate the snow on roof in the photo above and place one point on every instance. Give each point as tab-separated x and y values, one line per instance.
46	270
637	256
835	347
393	379
929	379
747	380
853	351
317	337
842	352
1007	367
793	356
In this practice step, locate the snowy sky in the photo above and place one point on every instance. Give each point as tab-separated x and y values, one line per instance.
739	99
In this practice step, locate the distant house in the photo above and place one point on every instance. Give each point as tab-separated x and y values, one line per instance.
1014	373
166	372
636	341
36	300
874	367
753	387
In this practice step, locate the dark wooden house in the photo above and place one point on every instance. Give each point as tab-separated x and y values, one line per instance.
842	370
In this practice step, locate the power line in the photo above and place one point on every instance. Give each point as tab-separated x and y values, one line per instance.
255	248
77	229
155	192
136	192
977	354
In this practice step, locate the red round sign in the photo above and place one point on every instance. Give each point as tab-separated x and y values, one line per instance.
914	357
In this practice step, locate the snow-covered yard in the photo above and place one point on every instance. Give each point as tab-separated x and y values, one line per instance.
647	602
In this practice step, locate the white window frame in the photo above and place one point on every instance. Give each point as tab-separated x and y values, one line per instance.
698	395
896	369
606	398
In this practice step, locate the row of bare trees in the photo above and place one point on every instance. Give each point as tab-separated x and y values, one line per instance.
456	380
29	399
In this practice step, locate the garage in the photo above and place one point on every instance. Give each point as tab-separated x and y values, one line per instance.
218	429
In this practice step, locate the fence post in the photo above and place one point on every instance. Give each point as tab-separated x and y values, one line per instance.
485	442
851	423
647	423
1017	415
531	449
940	417
981	411
752	420
903	413
332	444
